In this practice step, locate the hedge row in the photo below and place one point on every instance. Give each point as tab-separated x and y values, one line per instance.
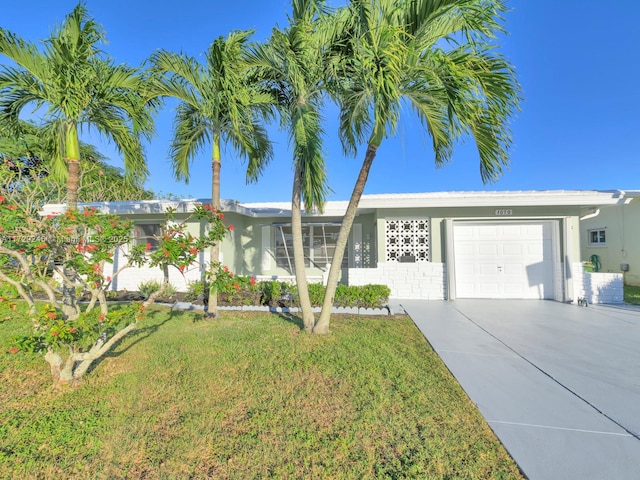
284	294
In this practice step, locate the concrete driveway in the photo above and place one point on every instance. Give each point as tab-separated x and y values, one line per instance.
558	384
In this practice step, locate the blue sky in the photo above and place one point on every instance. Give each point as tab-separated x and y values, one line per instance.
577	62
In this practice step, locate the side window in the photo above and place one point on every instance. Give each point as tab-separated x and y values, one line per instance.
597	237
148	233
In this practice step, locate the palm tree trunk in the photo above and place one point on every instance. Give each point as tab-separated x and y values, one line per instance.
214	251
73	166
322	325
298	253
72	153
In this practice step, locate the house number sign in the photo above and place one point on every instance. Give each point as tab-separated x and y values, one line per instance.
503	212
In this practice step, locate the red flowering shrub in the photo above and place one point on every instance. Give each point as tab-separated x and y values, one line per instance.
75	246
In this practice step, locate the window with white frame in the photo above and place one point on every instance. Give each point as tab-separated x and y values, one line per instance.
319	240
597	237
148	233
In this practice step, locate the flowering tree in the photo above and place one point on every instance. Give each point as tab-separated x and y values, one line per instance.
39	252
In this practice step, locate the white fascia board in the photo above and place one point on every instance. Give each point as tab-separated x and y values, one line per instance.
283	209
484	199
147	207
582	198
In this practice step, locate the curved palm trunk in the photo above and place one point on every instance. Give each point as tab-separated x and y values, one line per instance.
298	253
214	251
322	326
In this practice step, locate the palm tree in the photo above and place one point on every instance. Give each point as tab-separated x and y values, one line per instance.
218	105
436	57
292	66
74	85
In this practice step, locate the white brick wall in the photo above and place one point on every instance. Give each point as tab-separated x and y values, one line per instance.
597	287
420	280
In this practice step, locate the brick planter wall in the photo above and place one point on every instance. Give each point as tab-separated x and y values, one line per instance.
420	280
597	287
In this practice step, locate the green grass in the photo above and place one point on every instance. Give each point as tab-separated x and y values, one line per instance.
632	294
248	396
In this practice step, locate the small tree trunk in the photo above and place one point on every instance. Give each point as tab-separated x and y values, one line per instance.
55	362
61	371
322	325
69	307
298	254
212	302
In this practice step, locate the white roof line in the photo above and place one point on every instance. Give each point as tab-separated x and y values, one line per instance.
582	198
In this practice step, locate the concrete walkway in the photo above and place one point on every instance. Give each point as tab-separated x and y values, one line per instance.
558	384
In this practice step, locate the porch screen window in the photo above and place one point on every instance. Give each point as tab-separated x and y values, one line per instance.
319	242
148	233
407	240
597	237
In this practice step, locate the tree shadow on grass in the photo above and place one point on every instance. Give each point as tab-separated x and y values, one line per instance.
290	318
138	335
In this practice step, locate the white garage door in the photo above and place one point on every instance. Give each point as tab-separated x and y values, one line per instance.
503	260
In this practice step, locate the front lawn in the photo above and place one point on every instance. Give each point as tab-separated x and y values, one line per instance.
248	396
632	294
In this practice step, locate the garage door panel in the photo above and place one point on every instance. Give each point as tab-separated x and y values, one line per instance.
486	234
511	231
487	250
487	269
513	271
514	291
466	270
464	232
514	249
503	260
488	289
466	250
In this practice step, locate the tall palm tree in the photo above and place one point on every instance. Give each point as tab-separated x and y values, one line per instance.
292	66
436	57
218	104
74	85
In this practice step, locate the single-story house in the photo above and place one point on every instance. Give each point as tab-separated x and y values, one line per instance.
610	237
445	245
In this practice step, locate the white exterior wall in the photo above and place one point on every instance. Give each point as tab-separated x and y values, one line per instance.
420	280
130	278
622	226
597	287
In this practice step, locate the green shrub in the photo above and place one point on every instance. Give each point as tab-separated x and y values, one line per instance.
243	290
148	288
365	296
316	294
232	290
276	293
374	296
195	291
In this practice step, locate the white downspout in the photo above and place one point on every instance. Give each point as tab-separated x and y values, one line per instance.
591	215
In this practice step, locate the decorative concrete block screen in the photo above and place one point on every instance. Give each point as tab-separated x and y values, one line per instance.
407	239
597	287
